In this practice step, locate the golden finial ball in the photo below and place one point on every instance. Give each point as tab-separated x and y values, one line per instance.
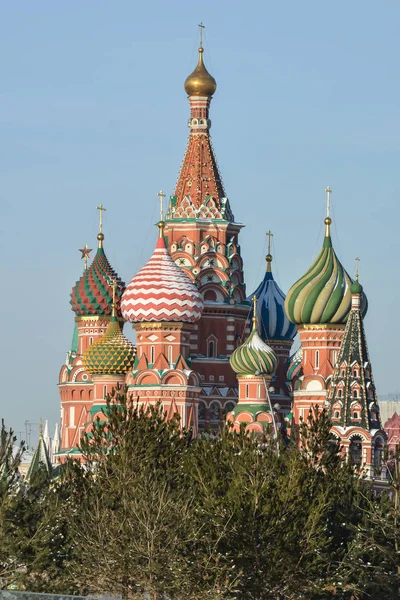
100	237
268	258
328	221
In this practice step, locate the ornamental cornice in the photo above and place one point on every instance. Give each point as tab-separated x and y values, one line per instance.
321	326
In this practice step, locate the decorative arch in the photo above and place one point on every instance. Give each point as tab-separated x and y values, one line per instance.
148	378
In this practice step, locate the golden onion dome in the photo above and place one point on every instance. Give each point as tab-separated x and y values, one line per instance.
200	82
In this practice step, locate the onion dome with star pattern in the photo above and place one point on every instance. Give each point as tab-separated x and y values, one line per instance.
161	291
323	294
93	292
254	357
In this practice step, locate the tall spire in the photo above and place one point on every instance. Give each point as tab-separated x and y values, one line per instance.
199	192
268	258
328	219
100	235
352	395
161	223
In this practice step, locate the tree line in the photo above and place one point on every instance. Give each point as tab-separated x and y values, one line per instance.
152	511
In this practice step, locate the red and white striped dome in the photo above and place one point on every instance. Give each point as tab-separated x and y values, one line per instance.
161	291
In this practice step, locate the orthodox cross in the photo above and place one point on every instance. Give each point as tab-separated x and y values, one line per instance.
254	310
357	266
161	195
101	208
270	235
201	27
85	251
328	201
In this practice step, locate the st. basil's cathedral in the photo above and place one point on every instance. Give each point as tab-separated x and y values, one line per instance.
206	349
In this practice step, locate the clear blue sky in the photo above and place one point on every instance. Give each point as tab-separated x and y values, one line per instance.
92	109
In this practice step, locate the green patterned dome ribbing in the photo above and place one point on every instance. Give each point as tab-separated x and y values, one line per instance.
254	356
323	294
111	354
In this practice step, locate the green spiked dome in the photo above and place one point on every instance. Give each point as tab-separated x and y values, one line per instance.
112	354
254	356
323	294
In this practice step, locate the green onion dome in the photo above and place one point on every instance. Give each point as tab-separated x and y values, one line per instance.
356	287
112	354
254	357
92	294
323	294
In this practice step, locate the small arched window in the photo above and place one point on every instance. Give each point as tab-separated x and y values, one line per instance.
211	349
170	354
152	354
90	341
317	359
355	393
342	373
105	392
355	415
339	393
355	451
355	373
247	390
337	414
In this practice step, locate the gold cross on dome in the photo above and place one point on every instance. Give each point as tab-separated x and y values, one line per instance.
357	266
161	195
101	209
328	201
270	235
201	27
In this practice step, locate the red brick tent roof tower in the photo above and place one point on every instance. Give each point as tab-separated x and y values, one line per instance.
203	240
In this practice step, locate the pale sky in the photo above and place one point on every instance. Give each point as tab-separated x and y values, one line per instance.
92	109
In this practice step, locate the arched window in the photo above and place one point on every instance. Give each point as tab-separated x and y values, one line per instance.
355	373
214	411
202	411
355	451
105	392
355	393
152	355
170	354
258	391
342	373
355	415
337	414
317	359
378	453
90	341
229	406
247	390
339	393
211	349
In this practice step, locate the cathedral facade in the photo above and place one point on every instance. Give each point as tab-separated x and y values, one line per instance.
205	348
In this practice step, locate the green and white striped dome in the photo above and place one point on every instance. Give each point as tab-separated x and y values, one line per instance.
323	294
254	356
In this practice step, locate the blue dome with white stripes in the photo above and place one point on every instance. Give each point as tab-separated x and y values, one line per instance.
272	319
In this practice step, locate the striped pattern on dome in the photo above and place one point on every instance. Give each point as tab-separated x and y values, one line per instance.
112	354
254	356
92	294
294	365
161	291
323	294
271	316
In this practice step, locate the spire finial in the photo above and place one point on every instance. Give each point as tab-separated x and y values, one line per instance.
85	251
161	224
254	312
100	235
201	27
357	267
268	258
328	219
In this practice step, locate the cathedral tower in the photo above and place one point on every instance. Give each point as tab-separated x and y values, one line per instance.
203	240
319	304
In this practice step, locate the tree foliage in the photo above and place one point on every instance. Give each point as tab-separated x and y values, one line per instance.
153	511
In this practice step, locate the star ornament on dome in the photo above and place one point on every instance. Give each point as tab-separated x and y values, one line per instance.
85	251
